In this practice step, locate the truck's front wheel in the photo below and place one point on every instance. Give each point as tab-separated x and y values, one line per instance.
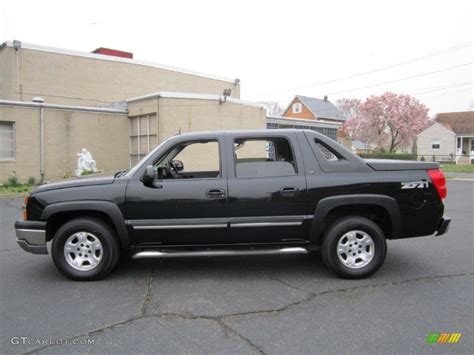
354	247
85	249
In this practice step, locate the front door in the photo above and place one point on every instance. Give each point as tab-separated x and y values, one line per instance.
267	189
186	203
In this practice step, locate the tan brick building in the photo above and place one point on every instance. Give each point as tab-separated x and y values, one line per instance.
117	108
77	78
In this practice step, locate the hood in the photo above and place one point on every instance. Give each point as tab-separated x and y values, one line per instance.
76	182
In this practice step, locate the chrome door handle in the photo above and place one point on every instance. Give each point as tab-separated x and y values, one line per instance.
215	193
289	191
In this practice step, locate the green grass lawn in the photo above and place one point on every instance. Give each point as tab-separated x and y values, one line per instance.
458	168
15	190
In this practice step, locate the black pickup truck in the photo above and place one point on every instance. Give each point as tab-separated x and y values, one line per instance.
237	193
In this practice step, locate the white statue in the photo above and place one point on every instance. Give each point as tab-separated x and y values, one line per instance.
85	162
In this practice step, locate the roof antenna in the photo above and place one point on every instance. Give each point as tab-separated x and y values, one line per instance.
179	132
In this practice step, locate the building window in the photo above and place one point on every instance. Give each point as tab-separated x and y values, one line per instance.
435	143
143	136
297	107
7	140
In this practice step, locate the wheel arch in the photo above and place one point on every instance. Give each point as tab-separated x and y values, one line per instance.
58	213
349	204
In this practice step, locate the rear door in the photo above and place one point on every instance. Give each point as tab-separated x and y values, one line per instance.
266	188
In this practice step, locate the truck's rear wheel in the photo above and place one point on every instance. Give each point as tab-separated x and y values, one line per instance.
85	249
354	247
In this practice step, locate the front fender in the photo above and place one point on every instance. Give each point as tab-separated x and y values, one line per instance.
325	205
109	208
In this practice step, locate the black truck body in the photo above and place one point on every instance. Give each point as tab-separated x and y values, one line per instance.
263	205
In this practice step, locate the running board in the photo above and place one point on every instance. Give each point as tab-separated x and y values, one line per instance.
226	252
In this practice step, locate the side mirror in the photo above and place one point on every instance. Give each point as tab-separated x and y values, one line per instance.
178	165
148	175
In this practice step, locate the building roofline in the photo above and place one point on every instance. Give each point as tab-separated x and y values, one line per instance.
60	107
309	108
193	96
303	103
293	100
439	124
41	48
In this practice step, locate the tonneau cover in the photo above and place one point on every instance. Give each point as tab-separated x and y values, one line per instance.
391	165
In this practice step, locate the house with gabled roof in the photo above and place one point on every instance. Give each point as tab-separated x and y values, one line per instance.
311	108
450	137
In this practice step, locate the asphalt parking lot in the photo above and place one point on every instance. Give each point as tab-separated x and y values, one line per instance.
271	305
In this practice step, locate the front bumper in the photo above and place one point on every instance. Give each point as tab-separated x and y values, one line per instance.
443	226
31	236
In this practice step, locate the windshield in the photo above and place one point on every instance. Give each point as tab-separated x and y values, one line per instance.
137	167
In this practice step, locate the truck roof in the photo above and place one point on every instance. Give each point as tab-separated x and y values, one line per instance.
247	131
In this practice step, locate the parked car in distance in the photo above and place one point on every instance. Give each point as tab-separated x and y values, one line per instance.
237	193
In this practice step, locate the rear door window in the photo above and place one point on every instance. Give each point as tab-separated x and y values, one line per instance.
264	157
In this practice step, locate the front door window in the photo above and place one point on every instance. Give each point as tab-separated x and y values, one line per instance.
190	160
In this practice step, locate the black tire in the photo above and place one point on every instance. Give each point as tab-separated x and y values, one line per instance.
110	253
334	234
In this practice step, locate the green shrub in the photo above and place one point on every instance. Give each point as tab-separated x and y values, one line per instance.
87	172
13	181
31	180
68	175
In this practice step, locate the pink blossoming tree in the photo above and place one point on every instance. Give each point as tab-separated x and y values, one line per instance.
390	121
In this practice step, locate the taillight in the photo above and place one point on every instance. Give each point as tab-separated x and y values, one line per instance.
24	211
439	181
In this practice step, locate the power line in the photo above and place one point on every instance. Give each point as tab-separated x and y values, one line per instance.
449	93
397	80
446	87
419	90
429	55
412	92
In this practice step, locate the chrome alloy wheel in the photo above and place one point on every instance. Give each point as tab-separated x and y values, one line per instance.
83	251
355	249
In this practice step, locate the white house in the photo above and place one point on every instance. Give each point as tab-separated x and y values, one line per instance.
449	138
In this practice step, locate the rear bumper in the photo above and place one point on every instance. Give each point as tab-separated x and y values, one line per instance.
31	236
443	226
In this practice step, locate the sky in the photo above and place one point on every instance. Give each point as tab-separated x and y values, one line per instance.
276	48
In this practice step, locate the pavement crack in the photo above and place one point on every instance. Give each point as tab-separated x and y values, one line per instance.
146	300
286	283
221	318
312	296
396	283
218	319
269	311
228	328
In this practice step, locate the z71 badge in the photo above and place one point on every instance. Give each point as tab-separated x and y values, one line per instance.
415	185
